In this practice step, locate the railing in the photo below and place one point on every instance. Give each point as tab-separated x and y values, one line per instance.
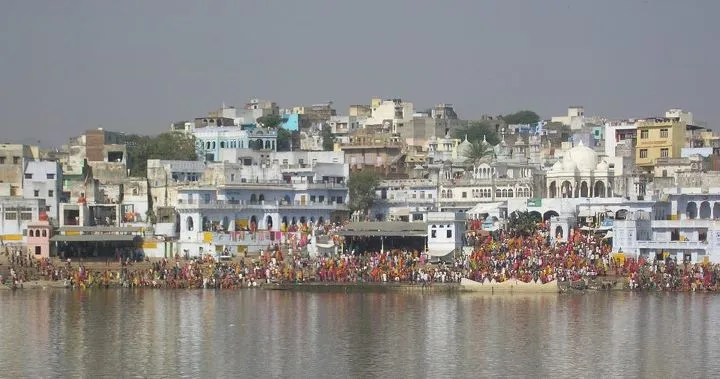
234	204
672	244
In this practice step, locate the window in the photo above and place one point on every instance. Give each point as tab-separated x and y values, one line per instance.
16	160
50	176
464	195
37	193
664	174
44	232
663	133
643	134
448	233
433	233
2	160
11	215
51	193
643	153
664	153
339	199
28	176
312	198
26	216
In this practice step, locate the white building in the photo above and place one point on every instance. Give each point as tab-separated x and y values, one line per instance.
580	174
405	200
251	199
210	140
575	117
43	180
619	132
684	225
392	114
445	233
16	215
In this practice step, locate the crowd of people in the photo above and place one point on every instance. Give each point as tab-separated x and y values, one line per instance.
496	257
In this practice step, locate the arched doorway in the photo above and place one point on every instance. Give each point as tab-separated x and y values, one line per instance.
621	214
253	223
303	220
599	190
535	215
261	198
253	198
584	190
268	223
559	232
691	211
189	224
321	220
553	190
566	189
549	214
716	210
206	225
225	223
705	212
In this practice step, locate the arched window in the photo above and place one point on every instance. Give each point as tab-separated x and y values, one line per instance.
44	233
189	224
222	144
498	193
510	193
261	198
31	232
253	198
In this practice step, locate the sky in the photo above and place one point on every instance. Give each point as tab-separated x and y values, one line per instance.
136	65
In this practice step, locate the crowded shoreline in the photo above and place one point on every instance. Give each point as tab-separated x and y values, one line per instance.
584	262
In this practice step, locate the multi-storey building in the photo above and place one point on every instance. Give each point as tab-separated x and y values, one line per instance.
251	199
13	159
659	138
209	141
43	180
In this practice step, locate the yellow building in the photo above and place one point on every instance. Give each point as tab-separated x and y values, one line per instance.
659	138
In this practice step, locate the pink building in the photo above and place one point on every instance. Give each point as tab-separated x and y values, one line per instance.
38	237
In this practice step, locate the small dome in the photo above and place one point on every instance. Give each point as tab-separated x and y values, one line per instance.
464	148
583	157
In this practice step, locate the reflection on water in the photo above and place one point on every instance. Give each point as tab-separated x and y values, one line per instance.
287	334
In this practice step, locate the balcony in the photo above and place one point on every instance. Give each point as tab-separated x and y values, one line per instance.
683	224
264	205
673	245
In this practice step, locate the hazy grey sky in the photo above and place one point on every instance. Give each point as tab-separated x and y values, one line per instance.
133	66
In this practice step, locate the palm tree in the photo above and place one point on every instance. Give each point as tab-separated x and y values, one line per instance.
477	151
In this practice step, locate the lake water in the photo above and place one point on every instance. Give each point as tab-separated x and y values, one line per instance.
255	333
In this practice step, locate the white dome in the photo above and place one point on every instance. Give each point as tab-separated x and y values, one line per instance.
568	165
464	149
582	156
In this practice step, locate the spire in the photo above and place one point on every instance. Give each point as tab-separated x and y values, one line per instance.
465	136
484	139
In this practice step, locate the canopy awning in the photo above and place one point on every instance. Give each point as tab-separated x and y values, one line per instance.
94	238
482	208
439	252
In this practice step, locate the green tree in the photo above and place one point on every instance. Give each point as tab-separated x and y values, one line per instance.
361	186
270	121
328	139
477	151
523	223
521	118
284	139
167	146
476	131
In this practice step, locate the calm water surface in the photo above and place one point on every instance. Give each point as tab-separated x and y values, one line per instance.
151	333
